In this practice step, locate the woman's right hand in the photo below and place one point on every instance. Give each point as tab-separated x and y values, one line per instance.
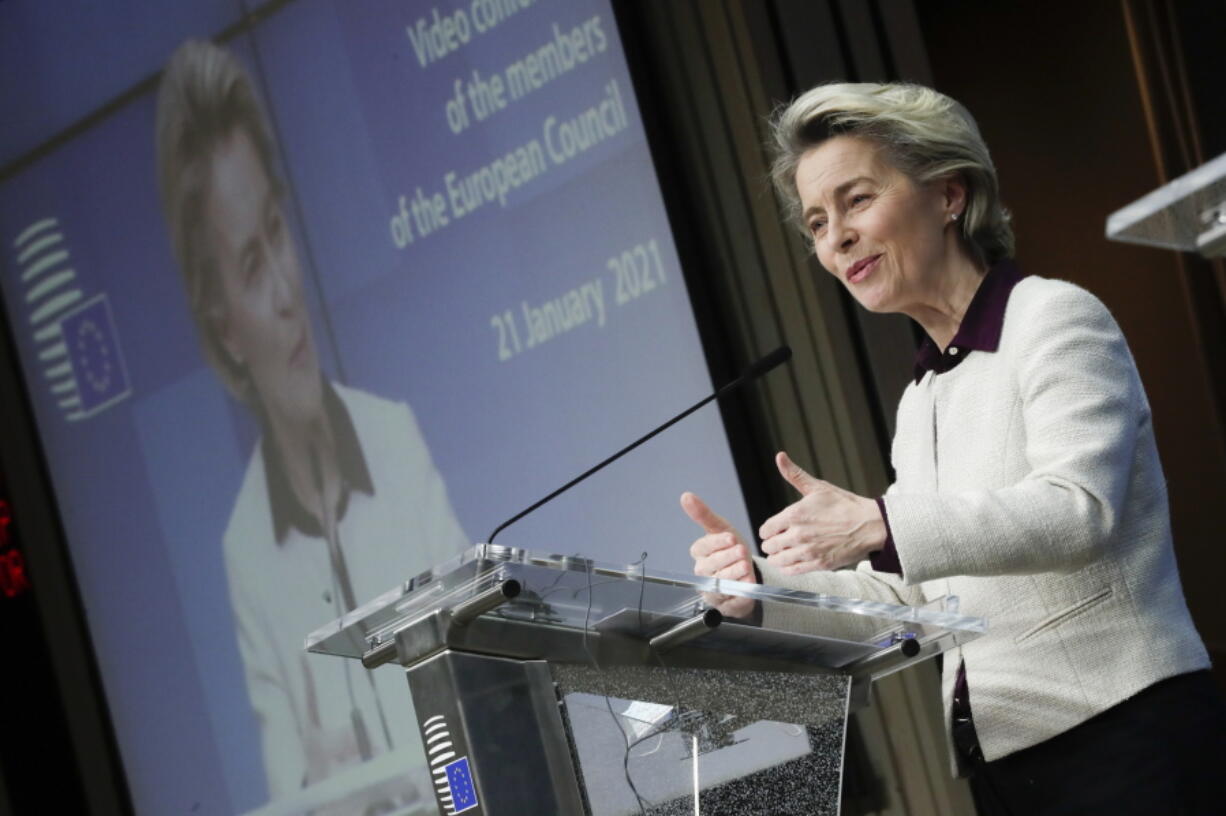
720	553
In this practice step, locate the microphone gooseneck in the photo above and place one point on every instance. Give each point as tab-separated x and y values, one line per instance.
755	370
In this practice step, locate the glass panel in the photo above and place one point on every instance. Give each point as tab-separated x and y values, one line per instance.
576	594
1184	214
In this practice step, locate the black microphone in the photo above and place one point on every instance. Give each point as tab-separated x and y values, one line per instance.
755	370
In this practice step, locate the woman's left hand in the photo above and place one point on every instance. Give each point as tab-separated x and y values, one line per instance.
826	529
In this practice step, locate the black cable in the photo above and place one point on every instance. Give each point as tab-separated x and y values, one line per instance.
668	678
587	622
642	562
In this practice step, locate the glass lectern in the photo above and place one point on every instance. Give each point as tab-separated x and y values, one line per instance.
549	684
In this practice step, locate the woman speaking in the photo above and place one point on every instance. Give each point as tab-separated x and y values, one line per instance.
1028	480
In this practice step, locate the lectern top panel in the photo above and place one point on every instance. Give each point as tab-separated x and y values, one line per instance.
573	594
1189	213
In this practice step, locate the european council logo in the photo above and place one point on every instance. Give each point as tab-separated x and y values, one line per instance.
453	779
75	340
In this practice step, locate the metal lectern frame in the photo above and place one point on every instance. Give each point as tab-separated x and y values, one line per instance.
513	656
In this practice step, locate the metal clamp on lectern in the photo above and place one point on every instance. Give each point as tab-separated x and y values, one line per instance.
476	606
905	649
458	617
687	630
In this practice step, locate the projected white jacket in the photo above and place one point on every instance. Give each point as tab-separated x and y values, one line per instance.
282	589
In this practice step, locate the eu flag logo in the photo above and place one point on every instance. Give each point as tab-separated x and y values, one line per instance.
75	343
93	350
460	785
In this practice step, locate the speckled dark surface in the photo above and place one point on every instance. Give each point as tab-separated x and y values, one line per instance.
768	743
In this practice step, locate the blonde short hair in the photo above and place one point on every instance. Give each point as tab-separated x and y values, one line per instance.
205	97
925	135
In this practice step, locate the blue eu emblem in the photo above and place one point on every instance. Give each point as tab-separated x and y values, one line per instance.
460	785
74	339
97	363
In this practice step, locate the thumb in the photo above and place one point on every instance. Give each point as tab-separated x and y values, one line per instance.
795	475
704	516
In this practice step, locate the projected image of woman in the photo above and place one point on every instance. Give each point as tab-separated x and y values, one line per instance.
340	497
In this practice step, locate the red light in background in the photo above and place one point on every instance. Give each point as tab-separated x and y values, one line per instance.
6	518
13	578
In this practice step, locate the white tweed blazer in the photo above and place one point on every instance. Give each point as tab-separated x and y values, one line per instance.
1028	484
